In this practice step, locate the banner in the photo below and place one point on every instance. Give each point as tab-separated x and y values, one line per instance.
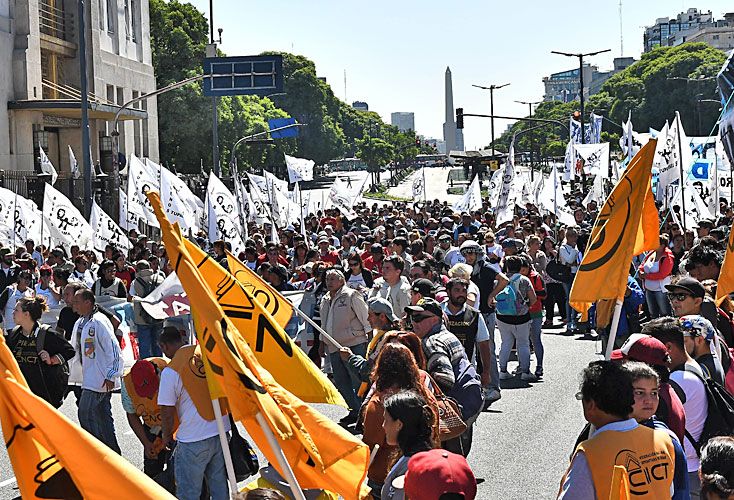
222	216
419	185
472	198
47	167
105	231
595	157
168	300
139	181
627	225
52	457
66	219
299	169
321	453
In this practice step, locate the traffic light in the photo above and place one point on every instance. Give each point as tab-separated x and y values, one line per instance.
459	118
417	142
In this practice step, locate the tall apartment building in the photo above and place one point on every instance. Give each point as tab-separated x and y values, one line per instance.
403	120
40	100
691	26
564	86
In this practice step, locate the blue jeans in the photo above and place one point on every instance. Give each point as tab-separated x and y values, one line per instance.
536	325
95	417
520	336
345	380
148	340
192	462
657	303
494	371
570	311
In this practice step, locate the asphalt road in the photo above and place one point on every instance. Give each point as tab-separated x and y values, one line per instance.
521	445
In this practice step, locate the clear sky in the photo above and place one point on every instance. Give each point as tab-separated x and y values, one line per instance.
395	52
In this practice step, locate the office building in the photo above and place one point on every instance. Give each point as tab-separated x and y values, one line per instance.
692	25
564	86
360	105
403	120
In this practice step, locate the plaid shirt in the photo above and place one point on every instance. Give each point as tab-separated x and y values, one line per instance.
443	350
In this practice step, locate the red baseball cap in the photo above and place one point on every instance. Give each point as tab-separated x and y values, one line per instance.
145	378
435	472
645	348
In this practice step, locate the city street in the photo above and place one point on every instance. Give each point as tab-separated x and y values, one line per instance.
521	445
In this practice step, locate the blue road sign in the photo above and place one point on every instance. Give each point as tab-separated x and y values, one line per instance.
259	75
282	122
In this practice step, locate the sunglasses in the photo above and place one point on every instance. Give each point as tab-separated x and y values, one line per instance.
680	297
354	264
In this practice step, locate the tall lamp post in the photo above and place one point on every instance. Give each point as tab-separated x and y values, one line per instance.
491	89
530	105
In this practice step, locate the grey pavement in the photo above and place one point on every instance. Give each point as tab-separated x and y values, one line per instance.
521	445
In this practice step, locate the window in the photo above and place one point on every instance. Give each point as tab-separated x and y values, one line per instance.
133	20
127	19
111	15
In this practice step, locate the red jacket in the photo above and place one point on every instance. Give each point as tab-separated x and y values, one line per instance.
666	265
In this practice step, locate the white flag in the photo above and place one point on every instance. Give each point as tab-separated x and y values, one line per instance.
278	184
495	182
139	181
569	162
675	155
173	190
127	220
299	169
222	216
63	216
419	185
695	208
596	158
506	204
260	204
74	165
47	167
341	199
551	199
472	199
106	231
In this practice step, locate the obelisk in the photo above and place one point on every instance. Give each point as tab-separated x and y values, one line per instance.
449	126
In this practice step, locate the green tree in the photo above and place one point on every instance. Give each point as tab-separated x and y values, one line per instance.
375	152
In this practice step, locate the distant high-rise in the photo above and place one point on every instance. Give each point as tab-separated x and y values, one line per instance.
403	120
360	105
453	137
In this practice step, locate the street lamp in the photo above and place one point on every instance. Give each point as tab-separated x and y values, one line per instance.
581	80
491	89
530	115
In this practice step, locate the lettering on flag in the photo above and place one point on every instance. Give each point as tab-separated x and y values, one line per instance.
222	216
140	181
595	157
419	186
61	213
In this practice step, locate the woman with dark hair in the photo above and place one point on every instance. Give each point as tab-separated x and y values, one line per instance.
395	371
300	252
40	352
717	469
409	424
412	342
357	276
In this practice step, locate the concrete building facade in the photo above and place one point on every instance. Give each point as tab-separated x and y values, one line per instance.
693	25
40	102
403	120
564	86
360	106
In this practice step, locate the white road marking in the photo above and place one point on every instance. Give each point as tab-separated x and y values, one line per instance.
7	482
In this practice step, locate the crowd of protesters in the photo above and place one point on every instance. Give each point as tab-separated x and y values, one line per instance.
413	295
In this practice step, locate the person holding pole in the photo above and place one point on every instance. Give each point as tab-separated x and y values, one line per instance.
184	394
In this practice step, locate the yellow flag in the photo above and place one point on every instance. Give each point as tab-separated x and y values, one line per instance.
278	306
54	458
627	225
726	274
321	453
620	484
274	349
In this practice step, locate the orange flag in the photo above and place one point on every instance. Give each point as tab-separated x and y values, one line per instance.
321	453
278	306
274	349
726	274
627	225
54	458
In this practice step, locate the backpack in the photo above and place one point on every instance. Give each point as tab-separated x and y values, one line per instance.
720	416
509	300
467	390
57	389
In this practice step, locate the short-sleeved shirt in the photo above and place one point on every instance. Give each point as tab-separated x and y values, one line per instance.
695	405
192	427
522	285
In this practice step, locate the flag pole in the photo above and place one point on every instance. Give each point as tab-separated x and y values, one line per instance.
613	329
680	165
425	188
225	447
15	233
326	336
280	458
303	218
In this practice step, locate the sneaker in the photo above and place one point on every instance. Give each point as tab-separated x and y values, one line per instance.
505	376
547	324
349	419
528	377
539	372
491	396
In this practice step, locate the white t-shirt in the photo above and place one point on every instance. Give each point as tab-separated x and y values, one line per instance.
696	407
192	427
50	299
355	281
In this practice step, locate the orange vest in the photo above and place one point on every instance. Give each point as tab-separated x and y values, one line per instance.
146	408
647	454
188	364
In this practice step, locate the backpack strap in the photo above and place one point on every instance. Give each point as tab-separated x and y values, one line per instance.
41	337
